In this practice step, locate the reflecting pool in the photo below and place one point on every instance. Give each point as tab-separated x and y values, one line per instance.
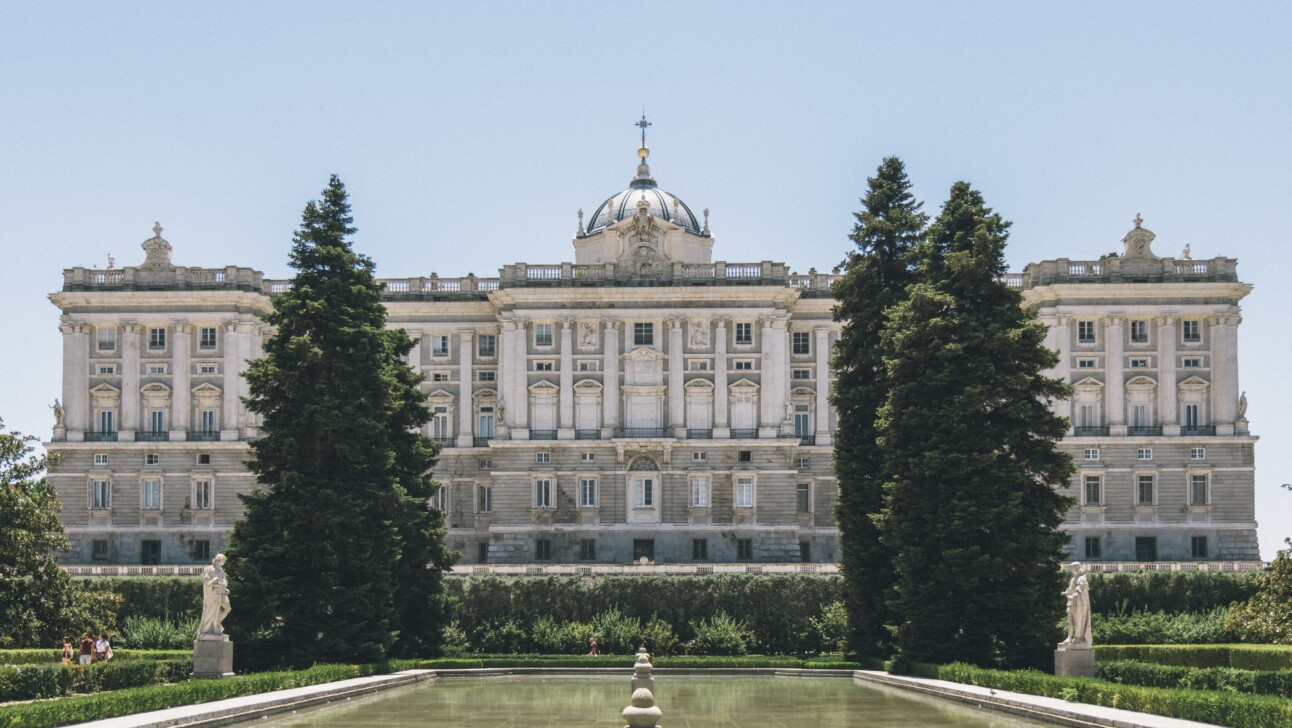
688	701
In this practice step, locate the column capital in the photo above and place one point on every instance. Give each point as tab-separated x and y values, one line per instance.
1115	321
567	322
466	335
131	327
675	323
70	327
1166	320
231	326
182	326
721	322
612	324
1063	319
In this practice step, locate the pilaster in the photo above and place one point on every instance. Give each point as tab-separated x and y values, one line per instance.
1062	343
823	434
181	378
1224	373
1115	387
1167	394
676	403
465	387
76	379
610	382
565	426
721	421
231	408
130	333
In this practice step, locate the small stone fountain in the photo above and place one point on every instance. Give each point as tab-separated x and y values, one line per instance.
641	711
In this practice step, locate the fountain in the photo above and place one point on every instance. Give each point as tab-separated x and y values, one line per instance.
641	711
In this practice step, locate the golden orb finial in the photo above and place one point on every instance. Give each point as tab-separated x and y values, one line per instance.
643	152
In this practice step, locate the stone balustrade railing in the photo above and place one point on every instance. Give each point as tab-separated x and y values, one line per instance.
142	279
1123	270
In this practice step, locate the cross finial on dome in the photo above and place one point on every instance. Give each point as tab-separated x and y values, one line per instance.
642	124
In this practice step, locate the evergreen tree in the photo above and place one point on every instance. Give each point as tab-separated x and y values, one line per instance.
338	544
875	278
971	448
39	602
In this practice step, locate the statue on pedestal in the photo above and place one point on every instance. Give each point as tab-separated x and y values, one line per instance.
215	600
1078	595
60	414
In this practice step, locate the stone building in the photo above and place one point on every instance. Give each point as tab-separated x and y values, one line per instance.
642	401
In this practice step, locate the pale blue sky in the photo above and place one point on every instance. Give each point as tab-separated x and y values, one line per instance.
470	133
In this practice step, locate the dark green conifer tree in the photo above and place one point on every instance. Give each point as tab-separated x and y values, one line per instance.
876	276
338	545
971	447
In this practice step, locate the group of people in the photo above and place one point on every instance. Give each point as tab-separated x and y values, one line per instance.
91	650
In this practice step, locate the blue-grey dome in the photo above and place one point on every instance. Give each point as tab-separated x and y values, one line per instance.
661	204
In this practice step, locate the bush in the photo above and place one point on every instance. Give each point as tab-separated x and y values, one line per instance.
658	637
155	633
1170	592
55	656
1267	617
720	635
1243	657
29	682
832	627
616	633
170	598
1160	628
1257	682
1219	707
568	638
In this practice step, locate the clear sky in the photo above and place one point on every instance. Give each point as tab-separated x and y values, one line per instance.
470	133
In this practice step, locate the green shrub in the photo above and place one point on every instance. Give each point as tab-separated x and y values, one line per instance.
1258	682
455	643
43	656
658	636
29	682
567	638
1243	657
832	626
507	637
155	633
156	597
1207	706
616	633
1267	617
1161	628
720	635
1170	592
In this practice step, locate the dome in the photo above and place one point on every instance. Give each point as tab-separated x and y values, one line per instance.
661	204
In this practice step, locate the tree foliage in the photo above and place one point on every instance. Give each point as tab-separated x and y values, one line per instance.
1267	616
875	278
39	602
339	554
971	453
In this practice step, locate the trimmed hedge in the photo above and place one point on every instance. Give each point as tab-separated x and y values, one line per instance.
1170	592
81	708
1242	657
171	598
1162	628
50	657
1222	708
1256	682
30	682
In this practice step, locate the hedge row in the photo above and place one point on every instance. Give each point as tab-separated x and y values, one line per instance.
43	656
626	661
1242	657
1163	628
1256	682
172	598
1221	708
30	682
81	708
1170	592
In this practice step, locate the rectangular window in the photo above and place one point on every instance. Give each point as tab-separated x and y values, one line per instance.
1144	453
486	376
482	552
587	549
1198	547
1139	363
1191	415
542	458
152	458
1197	453
801	342
151	495
587	492
1197	490
801	374
744	492
1086	332
643	493
487	345
439	376
803	497
107	339
156	368
1144	490
802	463
805	551
150	552
1192	362
543	494
1192	332
745	456
156	339
207	338
1094	490
439	345
587	457
156	421
744	365
699	492
206	369
699	549
204	458
542	334
100	458
486	463
202	500
744	549
1086	363
1139	332
644	548
1094	549
698	365
1092	453
589	366
206	421
744	334
106	423
108	369
100	495
201	550
1139	415
484	499
542	549
643	334
99	549
699	457
1146	548
486	422
544	366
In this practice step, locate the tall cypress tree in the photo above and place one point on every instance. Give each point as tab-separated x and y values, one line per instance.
876	275
338	542
971	447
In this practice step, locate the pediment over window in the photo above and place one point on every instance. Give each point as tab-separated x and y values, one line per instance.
644	353
743	385
1141	383
486	394
105	390
699	385
1088	383
587	386
803	392
544	387
206	389
155	389
1193	384
440	394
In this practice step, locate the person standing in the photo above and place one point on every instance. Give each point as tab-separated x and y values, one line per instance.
87	649
103	648
67	650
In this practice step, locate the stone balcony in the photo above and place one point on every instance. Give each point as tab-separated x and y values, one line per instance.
1114	269
230	278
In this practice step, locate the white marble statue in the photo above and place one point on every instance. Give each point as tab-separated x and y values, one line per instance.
1078	595
1242	405
60	414
215	600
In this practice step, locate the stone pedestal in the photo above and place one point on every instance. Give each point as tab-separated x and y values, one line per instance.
213	658
1074	661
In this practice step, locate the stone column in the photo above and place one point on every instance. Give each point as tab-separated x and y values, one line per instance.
610	380
1115	387
246	331
506	373
465	389
773	376
1167	394
130	333
565	426
518	401
181	377
230	407
415	354
823	436
676	401
76	380
721	425
1224	373
1061	342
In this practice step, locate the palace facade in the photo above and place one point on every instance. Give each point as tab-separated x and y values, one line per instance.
643	401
